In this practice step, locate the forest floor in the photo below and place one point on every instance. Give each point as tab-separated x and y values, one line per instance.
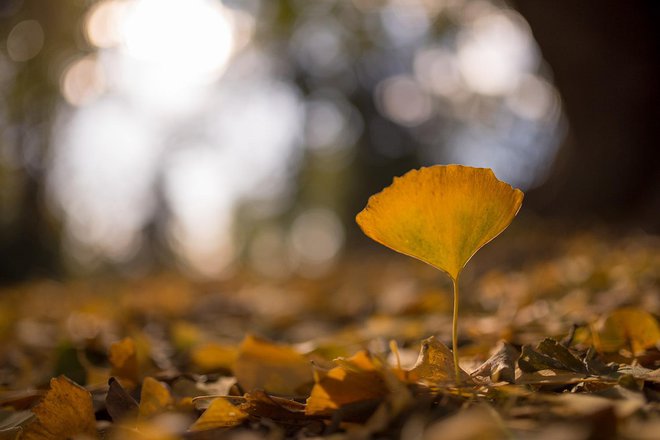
558	339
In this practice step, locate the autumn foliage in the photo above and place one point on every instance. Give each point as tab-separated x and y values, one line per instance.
563	343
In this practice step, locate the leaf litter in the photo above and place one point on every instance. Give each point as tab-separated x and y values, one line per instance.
559	339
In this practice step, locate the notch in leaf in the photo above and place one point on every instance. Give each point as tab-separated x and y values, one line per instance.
441	215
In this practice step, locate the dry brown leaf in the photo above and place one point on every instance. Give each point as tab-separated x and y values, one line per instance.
65	412
355	379
123	359
260	404
275	368
501	366
155	398
220	414
119	404
435	364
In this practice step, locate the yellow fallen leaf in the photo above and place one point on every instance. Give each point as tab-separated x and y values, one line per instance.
123	359
212	357
65	412
441	215
434	364
630	328
275	368
220	414
355	379
155	398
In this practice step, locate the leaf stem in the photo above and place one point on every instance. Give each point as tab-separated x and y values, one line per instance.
454	333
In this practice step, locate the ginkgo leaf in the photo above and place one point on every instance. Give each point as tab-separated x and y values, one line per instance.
275	368
354	379
442	214
220	414
65	412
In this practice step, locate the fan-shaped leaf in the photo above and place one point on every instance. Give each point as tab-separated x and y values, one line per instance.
441	215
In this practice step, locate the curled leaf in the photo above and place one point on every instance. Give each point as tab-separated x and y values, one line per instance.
501	366
434	364
260	404
442	214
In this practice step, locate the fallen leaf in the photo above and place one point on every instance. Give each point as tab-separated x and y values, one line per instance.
353	380
435	364
441	215
12	423
275	368
123	359
155	398
65	412
119	404
260	404
501	366
211	357
550	354
630	328
220	414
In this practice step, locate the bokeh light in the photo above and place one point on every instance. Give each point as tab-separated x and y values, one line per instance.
83	81
193	120
25	40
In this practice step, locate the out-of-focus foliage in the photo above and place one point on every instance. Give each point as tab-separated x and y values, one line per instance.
580	316
204	133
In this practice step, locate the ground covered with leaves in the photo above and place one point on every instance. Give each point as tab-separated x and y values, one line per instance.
559	338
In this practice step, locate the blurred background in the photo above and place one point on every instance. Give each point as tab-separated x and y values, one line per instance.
204	135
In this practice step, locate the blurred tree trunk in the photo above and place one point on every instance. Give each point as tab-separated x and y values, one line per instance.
604	55
29	241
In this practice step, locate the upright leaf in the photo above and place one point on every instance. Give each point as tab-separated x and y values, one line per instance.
442	214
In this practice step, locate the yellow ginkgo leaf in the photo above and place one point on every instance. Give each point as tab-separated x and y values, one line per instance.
65	412
442	214
220	414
